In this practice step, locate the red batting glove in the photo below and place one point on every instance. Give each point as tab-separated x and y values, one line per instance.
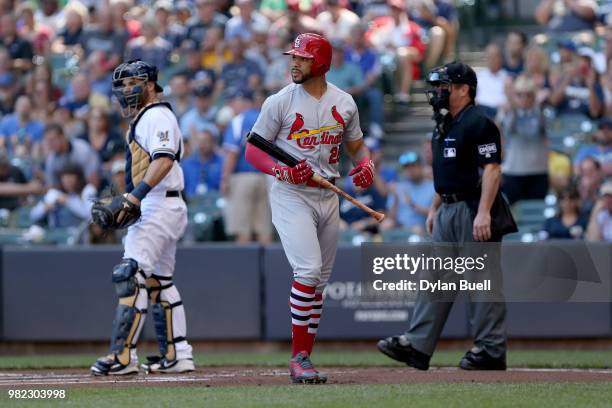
301	173
363	173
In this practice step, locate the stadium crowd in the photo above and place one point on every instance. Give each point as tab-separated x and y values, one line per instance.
61	137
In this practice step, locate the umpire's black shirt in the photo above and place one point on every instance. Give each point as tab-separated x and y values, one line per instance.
470	141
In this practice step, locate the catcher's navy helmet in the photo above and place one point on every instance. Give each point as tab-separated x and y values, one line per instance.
131	98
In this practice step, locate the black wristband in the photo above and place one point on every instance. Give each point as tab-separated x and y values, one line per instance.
141	190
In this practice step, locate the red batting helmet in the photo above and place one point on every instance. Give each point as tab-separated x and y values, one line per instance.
315	46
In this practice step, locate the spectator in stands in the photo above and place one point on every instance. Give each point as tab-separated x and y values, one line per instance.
70	35
241	73
69	205
398	37
385	173
51	15
243	24
337	21
514	52
273	9
578	89
601	150
205	18
14	187
567	15
409	200
278	73
100	79
214	52
19	131
149	46
202	114
102	136
600	224
125	19
167	28
63	151
589	182
569	223
105	38
196	73
559	171
537	70
355	218
294	22
525	165
491	94
78	93
439	19
246	189
203	168
8	92
360	53
180	96
19	49
346	75
32	30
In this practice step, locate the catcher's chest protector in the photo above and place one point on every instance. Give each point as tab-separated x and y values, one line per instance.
137	159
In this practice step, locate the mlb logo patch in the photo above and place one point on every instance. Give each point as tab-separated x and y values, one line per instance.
450	152
487	149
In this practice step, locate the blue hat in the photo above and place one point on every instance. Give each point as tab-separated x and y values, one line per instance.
409	157
203	91
241	93
568	44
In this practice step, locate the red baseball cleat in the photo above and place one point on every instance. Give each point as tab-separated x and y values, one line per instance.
303	372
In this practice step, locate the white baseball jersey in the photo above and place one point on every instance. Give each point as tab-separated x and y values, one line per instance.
158	131
309	128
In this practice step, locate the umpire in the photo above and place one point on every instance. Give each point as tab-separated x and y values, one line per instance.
466	168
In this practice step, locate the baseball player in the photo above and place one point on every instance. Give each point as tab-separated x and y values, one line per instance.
154	181
310	119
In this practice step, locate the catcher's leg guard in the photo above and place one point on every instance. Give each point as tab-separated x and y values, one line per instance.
130	286
170	326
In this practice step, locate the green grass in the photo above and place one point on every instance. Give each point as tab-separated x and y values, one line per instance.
516	358
414	396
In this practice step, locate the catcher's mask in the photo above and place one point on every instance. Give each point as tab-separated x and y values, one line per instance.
441	79
438	95
131	96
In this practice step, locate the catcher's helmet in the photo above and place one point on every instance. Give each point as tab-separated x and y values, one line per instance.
131	98
315	46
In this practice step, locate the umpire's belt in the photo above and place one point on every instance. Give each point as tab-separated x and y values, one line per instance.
455	198
312	183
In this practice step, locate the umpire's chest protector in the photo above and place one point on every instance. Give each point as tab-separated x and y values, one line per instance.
137	159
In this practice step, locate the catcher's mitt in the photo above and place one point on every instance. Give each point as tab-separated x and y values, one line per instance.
115	212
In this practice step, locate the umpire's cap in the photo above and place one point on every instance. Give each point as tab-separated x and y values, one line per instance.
454	73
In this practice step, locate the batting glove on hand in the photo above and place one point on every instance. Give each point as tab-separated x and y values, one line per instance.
301	173
363	173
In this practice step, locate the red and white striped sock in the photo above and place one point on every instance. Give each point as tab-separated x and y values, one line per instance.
300	303
313	322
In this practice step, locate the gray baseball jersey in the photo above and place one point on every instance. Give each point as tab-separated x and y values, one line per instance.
309	128
307	218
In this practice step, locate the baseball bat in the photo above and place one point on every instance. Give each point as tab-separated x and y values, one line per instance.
284	157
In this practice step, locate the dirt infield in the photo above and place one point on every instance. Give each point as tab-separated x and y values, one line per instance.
236	376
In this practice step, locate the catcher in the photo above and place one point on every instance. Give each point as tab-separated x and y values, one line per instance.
156	217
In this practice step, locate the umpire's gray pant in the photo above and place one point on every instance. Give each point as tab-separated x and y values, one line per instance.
454	223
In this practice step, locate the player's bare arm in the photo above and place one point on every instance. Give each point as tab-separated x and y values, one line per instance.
158	169
491	178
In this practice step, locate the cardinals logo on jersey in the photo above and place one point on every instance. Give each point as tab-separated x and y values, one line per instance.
308	139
